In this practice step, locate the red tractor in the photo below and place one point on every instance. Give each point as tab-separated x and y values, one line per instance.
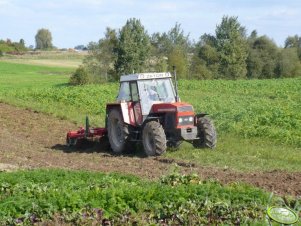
148	110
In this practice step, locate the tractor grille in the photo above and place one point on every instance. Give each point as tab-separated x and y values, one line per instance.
187	108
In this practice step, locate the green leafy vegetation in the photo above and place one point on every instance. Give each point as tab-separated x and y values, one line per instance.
258	121
12	47
79	77
255	108
84	197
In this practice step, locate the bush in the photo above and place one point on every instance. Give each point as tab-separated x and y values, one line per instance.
79	77
1	53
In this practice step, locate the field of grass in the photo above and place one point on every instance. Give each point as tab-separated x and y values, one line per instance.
80	198
48	58
258	121
259	128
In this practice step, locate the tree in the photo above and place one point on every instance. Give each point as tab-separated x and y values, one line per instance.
199	70
294	42
177	57
81	47
108	46
262	58
101	58
175	46
205	60
22	42
43	39
232	48
133	48
288	63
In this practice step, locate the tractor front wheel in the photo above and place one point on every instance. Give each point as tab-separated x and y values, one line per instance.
117	131
206	133
174	144
154	139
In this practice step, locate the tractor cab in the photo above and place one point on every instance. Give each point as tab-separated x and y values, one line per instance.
142	91
148	110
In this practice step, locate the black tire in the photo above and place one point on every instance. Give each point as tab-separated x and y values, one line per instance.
174	144
206	133
71	142
153	139
117	131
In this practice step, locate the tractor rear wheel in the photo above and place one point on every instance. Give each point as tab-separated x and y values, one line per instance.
153	139
206	133
117	131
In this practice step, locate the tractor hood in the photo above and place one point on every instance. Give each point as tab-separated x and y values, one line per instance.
172	107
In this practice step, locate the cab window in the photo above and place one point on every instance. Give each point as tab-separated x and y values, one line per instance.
124	92
134	90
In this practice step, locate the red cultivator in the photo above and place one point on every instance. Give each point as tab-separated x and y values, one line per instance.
75	138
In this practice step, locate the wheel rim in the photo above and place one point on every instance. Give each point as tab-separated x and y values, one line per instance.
150	142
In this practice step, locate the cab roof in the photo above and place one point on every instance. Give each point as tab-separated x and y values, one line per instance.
144	76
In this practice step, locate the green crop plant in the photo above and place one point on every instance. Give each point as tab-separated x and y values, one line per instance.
258	121
78	197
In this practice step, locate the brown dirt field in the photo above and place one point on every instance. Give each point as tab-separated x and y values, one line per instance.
29	139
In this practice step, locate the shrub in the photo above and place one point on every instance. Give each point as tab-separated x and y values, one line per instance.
79	77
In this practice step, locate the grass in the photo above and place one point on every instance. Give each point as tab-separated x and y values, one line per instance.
258	124
48	58
18	76
258	121
242	154
79	197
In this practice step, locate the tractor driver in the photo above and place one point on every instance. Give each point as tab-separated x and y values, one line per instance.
152	93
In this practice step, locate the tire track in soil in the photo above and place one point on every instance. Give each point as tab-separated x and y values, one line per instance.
29	139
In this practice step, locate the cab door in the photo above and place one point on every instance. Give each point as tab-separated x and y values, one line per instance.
135	103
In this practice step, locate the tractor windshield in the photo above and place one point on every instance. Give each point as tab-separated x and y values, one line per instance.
154	91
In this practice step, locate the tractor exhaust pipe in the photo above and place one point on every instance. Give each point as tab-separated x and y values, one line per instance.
176	83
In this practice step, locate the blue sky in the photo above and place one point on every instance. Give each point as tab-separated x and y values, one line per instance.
81	21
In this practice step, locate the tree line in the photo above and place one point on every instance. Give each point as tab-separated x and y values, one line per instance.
43	40
228	54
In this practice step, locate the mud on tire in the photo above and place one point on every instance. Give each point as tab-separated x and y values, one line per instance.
153	139
117	131
207	134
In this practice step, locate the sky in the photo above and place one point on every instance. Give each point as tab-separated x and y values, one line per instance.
79	22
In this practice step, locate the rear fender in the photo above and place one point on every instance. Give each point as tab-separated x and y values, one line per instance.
126	110
200	115
122	107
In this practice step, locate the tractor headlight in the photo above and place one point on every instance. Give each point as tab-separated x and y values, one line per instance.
186	120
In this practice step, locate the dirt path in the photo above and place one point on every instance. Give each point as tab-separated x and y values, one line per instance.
31	140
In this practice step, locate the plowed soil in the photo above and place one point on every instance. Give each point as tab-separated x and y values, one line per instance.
29	139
